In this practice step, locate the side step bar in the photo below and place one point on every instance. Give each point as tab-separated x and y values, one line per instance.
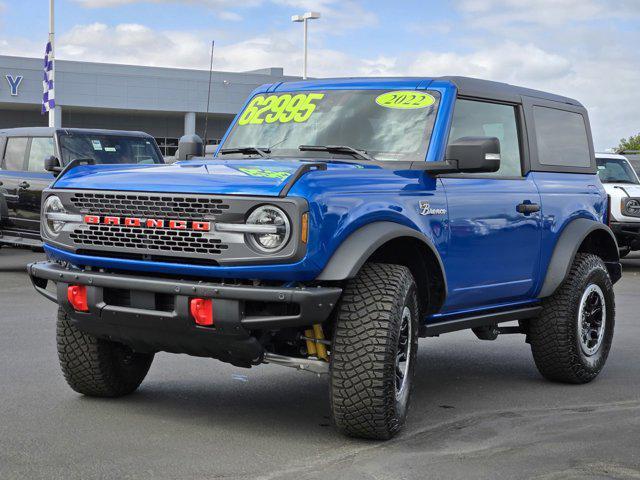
486	319
18	241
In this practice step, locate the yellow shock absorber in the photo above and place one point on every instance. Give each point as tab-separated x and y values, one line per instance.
321	349
311	345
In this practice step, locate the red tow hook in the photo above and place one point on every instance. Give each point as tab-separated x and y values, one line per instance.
202	311
77	296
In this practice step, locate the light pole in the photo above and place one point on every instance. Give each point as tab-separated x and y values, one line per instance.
304	19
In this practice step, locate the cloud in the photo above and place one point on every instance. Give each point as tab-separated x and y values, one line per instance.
492	13
133	43
337	14
204	3
230	16
509	62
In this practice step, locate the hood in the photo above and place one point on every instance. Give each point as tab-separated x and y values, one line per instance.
622	189
264	177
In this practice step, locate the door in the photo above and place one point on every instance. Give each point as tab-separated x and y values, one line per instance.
32	182
12	166
494	219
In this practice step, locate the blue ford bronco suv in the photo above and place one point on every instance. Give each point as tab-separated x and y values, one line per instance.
339	221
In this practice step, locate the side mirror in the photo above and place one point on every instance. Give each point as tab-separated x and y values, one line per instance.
469	155
52	164
189	146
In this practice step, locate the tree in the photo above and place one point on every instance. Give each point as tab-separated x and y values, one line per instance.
631	143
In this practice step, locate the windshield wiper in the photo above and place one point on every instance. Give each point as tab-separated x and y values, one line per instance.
360	154
247	151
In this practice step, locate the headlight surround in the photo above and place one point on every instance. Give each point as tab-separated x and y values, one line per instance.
269	215
52	206
631	207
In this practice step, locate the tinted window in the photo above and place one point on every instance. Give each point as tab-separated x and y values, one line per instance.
14	153
480	119
41	147
108	148
561	137
615	170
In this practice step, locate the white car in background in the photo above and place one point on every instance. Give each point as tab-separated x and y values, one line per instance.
623	186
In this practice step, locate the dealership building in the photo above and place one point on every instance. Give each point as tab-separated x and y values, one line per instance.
164	102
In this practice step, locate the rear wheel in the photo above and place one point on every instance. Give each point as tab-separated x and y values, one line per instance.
96	367
374	352
571	340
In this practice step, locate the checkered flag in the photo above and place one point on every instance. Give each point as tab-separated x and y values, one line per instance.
48	98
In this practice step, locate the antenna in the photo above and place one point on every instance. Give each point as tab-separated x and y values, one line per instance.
206	117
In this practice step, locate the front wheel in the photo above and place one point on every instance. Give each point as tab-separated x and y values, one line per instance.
571	340
97	367
374	352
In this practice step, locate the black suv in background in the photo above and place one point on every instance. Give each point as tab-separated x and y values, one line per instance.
23	152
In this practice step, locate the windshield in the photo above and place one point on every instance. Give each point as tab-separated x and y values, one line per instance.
108	148
387	125
615	170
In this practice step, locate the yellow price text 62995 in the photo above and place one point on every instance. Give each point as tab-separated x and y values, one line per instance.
283	108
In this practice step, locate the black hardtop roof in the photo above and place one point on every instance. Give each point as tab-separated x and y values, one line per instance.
49	131
467	87
475	87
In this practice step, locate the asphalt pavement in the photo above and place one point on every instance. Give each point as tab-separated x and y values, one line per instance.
480	410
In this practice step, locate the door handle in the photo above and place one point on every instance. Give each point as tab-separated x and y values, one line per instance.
527	208
24	185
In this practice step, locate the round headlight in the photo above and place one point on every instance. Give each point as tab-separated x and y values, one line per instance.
277	238
52	205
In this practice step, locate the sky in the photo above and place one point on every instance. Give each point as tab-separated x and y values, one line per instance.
585	49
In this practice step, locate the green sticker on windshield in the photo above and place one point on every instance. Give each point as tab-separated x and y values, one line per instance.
283	108
405	100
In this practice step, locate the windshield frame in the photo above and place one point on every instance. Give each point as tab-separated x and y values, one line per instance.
427	152
628	166
60	135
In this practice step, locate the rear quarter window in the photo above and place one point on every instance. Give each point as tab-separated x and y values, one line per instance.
562	138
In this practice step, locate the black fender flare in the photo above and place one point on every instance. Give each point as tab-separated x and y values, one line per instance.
571	238
352	254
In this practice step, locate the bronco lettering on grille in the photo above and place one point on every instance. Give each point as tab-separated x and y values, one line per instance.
199	226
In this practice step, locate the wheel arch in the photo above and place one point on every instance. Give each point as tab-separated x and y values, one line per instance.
390	242
585	236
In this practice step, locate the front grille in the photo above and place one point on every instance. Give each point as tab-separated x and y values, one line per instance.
149	205
159	240
143	227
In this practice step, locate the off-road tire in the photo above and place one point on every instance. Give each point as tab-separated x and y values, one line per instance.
554	338
364	348
96	367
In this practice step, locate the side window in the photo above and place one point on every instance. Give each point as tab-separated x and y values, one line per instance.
561	137
14	153
41	147
480	119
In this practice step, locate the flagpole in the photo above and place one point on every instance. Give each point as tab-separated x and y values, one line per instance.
52	112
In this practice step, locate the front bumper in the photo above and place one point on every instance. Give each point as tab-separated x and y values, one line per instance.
152	314
627	234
